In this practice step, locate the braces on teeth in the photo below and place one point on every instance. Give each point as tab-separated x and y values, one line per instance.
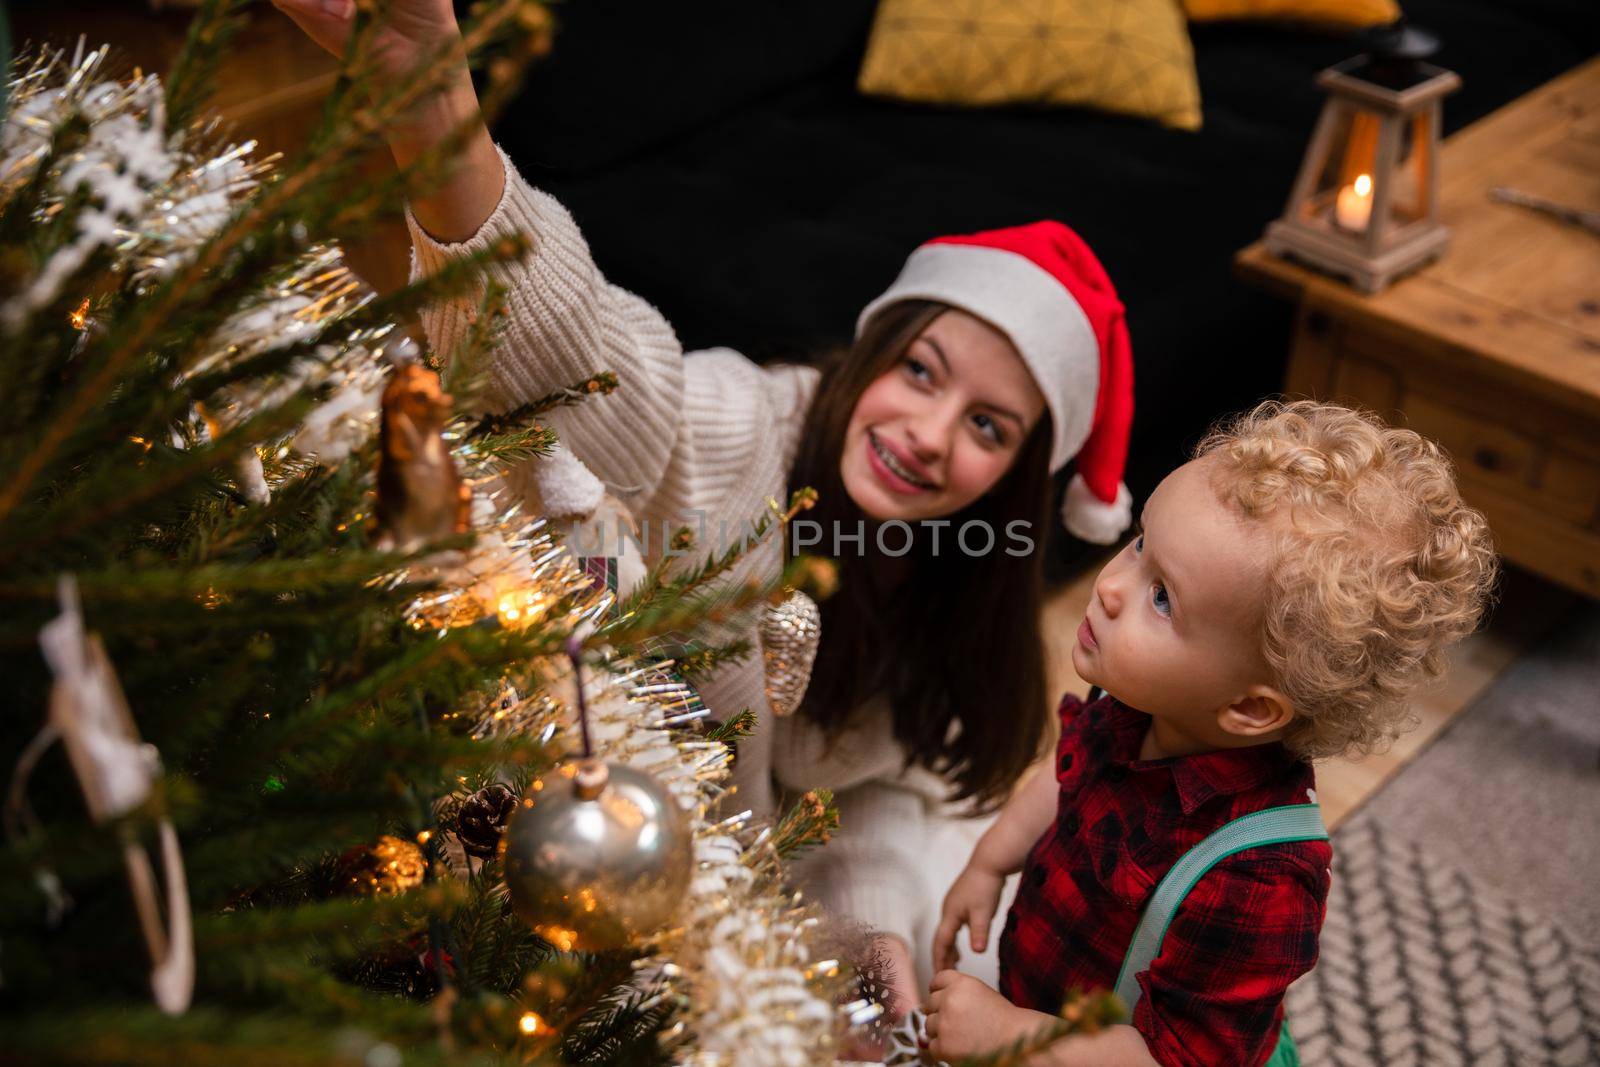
893	464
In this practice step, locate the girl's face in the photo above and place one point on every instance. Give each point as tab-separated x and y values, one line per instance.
943	426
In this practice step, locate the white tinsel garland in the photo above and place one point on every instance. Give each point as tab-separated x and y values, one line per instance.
153	197
742	973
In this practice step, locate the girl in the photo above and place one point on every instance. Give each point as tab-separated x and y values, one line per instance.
991	362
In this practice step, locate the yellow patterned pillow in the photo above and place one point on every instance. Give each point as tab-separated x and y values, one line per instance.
1326	12
1128	56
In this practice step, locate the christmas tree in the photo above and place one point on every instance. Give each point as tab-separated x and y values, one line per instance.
285	659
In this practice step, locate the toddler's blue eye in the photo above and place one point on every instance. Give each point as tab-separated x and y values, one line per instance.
1138	543
917	368
1158	597
987	426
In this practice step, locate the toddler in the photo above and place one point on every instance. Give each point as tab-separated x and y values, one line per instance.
1288	587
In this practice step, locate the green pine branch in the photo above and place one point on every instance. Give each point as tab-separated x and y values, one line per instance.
523	414
188	85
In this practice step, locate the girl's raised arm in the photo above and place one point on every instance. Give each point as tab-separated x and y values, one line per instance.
566	322
416	28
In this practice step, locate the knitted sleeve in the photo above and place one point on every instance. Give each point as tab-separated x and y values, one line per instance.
566	323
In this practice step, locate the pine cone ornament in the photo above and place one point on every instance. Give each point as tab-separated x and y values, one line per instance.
482	819
790	631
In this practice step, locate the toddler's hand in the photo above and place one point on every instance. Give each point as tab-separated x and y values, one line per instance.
971	902
967	1018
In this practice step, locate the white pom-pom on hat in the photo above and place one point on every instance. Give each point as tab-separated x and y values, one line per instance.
1089	518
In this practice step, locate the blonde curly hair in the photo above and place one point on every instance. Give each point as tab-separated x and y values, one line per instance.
1379	566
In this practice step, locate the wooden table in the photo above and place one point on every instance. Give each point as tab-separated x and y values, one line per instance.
1494	350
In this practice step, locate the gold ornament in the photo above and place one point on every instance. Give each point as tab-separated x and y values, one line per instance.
597	856
789	634
390	866
421	497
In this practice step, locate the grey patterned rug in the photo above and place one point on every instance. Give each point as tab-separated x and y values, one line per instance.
1464	920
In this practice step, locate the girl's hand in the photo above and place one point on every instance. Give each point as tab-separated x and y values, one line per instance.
414	31
972	901
901	974
967	1018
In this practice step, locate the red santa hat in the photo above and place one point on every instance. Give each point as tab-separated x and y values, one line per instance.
1044	289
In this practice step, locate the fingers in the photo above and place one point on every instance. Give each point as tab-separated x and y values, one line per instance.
327	22
944	941
941	981
338	9
978	931
978	923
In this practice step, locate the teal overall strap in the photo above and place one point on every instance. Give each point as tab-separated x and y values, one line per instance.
1292	822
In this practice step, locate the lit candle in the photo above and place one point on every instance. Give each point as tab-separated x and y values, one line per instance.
1353	209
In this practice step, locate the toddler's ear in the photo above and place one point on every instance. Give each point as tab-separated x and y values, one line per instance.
1262	711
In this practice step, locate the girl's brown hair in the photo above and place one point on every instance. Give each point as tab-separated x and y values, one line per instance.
951	642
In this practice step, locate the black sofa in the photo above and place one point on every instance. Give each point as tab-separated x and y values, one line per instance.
723	166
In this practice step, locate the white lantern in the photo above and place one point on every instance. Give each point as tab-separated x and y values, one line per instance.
1365	206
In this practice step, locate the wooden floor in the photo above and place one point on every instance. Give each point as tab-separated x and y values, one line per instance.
1527	605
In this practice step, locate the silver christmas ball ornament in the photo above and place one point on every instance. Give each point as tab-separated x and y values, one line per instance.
597	856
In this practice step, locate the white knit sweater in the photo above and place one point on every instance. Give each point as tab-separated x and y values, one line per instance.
709	437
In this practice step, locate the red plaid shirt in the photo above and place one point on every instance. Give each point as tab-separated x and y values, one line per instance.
1214	996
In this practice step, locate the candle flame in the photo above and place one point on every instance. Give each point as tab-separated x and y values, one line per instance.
1363	184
